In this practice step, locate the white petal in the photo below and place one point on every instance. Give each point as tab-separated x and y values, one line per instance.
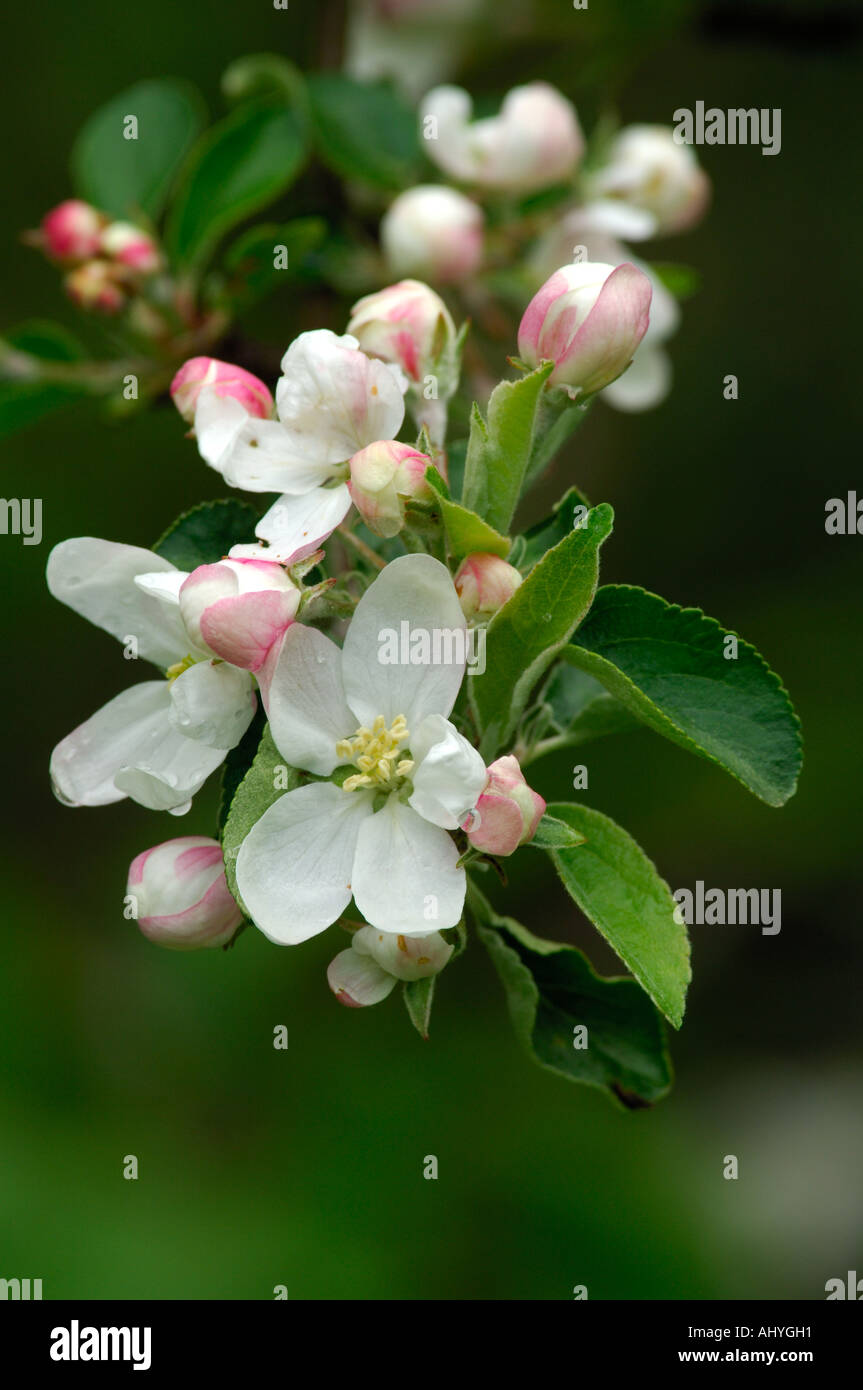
405	875
128	748
305	701
295	866
254	454
335	400
413	595
449	775
643	385
296	526
213	702
97	579
357	981
164	585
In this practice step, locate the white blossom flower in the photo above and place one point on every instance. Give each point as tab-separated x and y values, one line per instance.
382	836
159	741
331	401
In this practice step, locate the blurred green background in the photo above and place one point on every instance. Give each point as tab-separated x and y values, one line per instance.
304	1167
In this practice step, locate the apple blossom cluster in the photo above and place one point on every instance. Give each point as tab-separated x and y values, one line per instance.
385	799
105	261
638	185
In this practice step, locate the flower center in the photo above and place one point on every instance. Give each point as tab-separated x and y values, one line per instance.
377	753
180	666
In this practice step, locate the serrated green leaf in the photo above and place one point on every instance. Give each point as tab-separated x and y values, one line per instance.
128	177
364	130
571	510
239	166
581	708
499	448
205	534
552	991
268	778
237	763
667	665
466	532
552	833
418	996
532	628
620	891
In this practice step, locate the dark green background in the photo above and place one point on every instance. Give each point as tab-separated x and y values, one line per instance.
304	1167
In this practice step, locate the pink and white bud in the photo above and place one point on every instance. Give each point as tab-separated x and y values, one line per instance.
226	381
92	286
588	319
368	970
71	231
534	142
509	811
407	323
433	232
130	247
238	609
384	476
649	170
180	895
484	583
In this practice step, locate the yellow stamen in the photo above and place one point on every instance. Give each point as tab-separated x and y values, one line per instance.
375	752
179	667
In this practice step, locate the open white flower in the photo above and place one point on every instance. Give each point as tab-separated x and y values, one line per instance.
331	401
159	741
382	836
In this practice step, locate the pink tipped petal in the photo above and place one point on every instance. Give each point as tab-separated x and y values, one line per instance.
243	629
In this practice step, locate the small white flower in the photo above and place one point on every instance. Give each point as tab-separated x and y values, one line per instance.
381	837
159	741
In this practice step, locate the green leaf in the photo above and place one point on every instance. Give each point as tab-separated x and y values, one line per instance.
205	534
571	510
237	763
533	627
364	131
619	890
238	167
262	75
582	709
268	778
127	177
681	280
552	833
668	666
557	420
466	532
418	996
26	391
499	448
251	260
552	991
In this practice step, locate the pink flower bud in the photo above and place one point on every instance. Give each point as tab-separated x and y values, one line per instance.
649	170
225	380
239	609
484	583
410	325
509	810
588	319
434	232
383	476
367	971
180	895
92	286
534	141
130	247
71	231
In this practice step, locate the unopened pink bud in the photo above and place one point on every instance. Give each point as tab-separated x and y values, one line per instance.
130	247
225	380
71	231
383	477
179	895
407	323
588	319
434	232
93	286
484	583
239	609
508	810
